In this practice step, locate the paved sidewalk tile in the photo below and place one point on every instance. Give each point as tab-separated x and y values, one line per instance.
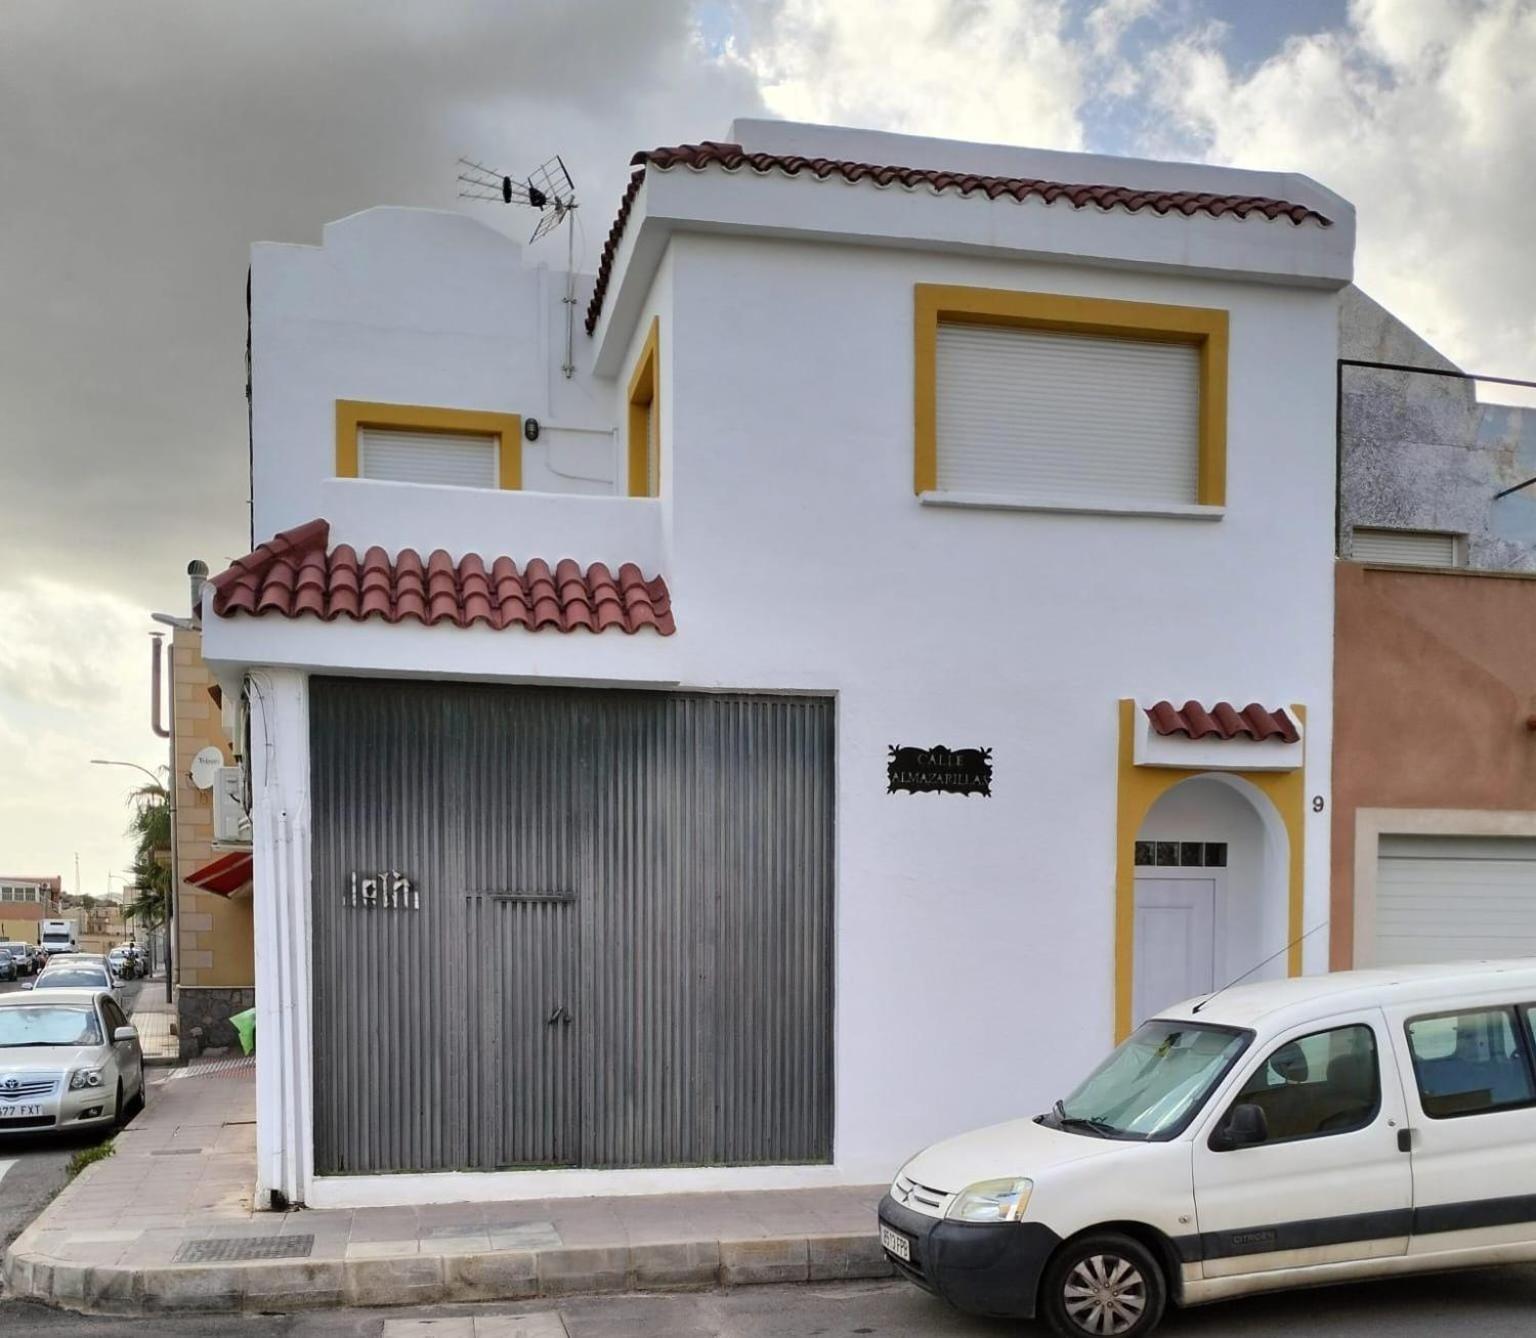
169	1223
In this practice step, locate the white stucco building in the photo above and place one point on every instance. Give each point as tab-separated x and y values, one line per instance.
965	457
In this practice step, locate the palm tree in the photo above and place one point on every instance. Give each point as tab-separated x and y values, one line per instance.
150	826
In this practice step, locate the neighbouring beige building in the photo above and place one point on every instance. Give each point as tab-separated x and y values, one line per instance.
214	953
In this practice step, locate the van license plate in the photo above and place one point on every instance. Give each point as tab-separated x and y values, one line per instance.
896	1243
9	1112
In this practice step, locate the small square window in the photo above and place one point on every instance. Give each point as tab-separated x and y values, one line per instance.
1146	854
1215	854
1168	854
1190	854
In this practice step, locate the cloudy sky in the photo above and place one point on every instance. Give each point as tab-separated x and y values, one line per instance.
145	145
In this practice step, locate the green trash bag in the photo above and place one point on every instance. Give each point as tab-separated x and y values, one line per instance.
245	1025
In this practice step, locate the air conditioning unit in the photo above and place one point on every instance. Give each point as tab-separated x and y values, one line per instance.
231	823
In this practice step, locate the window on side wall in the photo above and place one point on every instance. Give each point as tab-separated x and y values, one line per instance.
644	427
404	443
1041	400
1406	548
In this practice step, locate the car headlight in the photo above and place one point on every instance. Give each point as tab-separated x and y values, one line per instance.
991	1201
81	1078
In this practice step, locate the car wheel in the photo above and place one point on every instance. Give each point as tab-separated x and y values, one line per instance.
139	1097
1103	1284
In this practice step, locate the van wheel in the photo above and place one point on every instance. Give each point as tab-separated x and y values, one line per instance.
1103	1284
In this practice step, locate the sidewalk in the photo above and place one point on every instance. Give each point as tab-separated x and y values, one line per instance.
152	1015
166	1224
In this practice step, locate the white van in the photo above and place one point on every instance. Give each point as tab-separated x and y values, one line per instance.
1308	1131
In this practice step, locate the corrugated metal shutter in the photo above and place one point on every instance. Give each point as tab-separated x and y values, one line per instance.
1441	899
1411	548
466	460
1063	417
629	898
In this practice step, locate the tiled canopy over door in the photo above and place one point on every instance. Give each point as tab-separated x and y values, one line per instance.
623	954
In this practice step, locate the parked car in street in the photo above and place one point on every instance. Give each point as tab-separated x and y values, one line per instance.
75	972
68	1059
7	967
21	955
1312	1130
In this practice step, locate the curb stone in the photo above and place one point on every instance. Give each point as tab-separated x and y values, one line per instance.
422	1279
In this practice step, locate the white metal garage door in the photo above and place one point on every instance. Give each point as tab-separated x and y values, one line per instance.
1450	898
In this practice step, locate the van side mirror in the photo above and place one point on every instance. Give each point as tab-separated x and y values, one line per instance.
1244	1127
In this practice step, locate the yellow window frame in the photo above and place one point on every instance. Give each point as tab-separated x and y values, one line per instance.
354	415
1206	328
644	399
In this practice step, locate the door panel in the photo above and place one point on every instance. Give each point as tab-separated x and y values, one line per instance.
1450	898
1324	1199
659	865
1474	1173
1175	942
521	1005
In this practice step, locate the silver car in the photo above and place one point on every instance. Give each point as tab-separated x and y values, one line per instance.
75	973
69	1059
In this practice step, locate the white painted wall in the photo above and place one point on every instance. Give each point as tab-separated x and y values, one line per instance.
414	306
974	967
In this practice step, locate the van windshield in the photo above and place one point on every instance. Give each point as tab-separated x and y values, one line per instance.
1153	1083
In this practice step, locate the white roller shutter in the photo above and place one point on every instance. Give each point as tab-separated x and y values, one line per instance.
464	460
1411	548
1063	417
1454	898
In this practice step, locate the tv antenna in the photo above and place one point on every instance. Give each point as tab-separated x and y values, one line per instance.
550	190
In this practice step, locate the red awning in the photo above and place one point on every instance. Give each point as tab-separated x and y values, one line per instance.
226	875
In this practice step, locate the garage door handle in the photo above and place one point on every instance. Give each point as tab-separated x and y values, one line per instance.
561	1014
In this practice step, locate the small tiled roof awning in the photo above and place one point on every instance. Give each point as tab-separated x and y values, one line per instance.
1080	195
225	875
1223	721
296	574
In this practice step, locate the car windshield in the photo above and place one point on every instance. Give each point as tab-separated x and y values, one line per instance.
72	978
48	1024
1152	1083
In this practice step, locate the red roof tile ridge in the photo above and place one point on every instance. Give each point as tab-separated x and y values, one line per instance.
292	575
1225	721
732	157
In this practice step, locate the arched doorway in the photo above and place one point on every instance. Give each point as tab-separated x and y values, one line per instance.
1212	882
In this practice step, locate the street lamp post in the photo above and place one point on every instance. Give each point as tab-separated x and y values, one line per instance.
170	928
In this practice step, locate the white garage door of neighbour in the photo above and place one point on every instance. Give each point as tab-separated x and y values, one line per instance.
1453	898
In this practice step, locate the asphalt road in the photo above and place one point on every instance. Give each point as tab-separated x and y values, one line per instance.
1496	1303
34	1167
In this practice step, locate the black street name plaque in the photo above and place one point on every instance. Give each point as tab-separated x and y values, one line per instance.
939	770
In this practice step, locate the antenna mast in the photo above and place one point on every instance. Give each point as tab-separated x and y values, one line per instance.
550	190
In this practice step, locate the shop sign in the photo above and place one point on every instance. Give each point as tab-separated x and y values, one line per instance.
388	891
939	770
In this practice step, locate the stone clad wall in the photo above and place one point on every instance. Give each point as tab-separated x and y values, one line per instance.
202	1017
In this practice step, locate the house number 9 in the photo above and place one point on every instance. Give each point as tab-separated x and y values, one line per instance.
1317	803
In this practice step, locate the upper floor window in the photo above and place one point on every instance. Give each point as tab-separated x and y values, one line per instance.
644	426
1407	548
407	443
1080	403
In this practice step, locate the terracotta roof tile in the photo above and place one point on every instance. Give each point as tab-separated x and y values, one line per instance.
732	158
1223	720
293	575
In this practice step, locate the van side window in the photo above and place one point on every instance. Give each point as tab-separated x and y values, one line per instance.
1325	1083
1467	1063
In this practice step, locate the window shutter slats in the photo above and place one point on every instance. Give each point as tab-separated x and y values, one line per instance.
1410	548
1066	417
466	460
